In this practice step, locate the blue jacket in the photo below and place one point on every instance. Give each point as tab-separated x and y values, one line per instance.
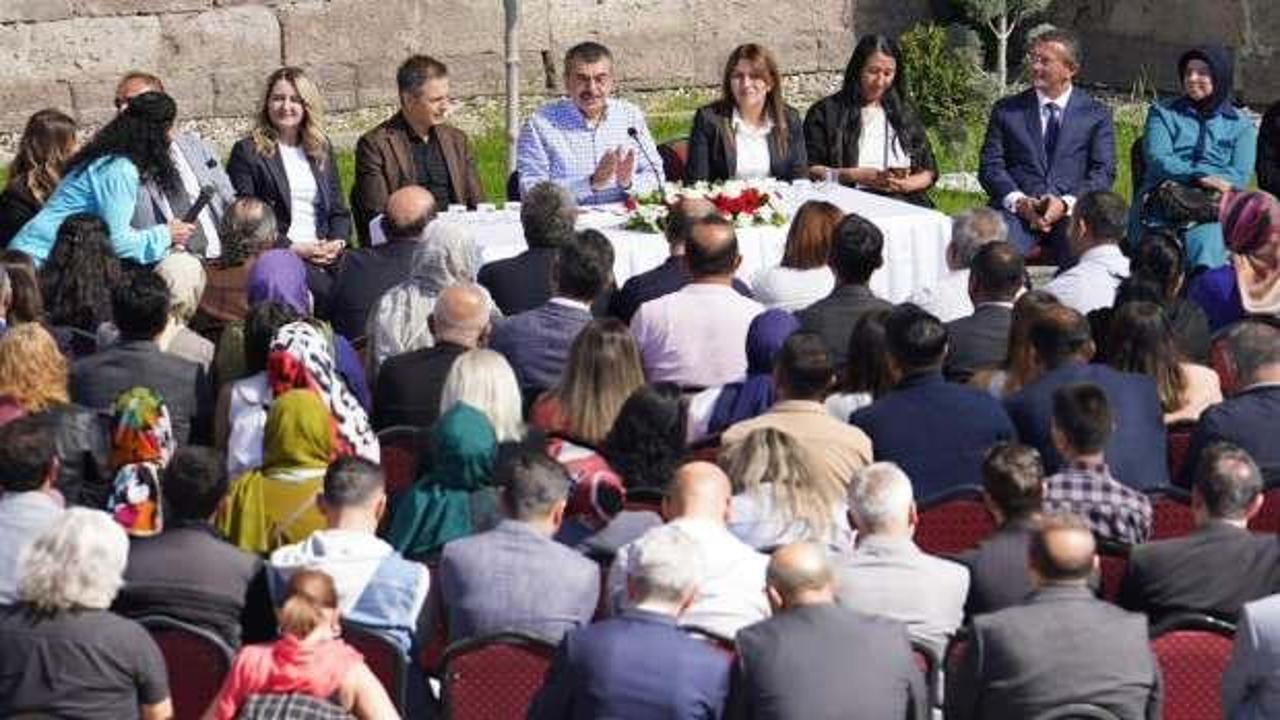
536	343
1170	145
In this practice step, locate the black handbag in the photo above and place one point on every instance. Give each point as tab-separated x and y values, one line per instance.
1174	202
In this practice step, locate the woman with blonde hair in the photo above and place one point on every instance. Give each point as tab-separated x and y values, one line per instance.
603	369
484	380
310	659
781	497
185	276
47	143
1019	368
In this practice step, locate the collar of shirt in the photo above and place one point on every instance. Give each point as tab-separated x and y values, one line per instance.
741	126
993	303
570	302
1061	101
799	406
29	500
886	545
1101	469
1098	252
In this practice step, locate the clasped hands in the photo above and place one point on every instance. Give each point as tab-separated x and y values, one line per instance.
1041	212
320	252
616	165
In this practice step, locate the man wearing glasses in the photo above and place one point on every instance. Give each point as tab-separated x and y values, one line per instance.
597	146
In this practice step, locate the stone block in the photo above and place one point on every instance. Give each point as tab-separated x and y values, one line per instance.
80	47
833	31
653	42
459	28
19	100
889	17
1124	63
248	35
1258	78
485	73
376	83
35	10
1180	22
337	83
239	91
791	35
351	31
93	8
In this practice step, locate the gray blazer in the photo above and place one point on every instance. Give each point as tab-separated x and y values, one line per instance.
1251	686
512	578
98	379
200	155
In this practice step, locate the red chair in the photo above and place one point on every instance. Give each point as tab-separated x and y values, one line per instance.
644	499
1192	651
953	521
1220	361
494	676
197	660
401	449
1179	442
1113	560
431	656
1268	518
675	155
707	449
383	657
930	666
1171	514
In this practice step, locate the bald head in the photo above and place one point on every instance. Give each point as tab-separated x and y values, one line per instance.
700	490
1062	550
711	251
407	213
800	574
460	315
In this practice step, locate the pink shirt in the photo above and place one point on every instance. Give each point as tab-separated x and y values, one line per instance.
696	336
285	666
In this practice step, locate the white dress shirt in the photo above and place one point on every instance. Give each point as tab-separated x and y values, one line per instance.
878	145
1010	201
753	148
1091	284
791	289
948	299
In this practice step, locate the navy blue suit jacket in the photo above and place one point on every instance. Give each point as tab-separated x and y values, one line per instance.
536	343
936	431
638	666
1249	419
1136	452
1013	156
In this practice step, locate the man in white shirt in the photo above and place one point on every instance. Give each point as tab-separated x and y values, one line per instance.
949	299
731	591
29	504
1097	228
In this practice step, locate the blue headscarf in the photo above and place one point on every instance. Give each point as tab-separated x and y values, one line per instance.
754	395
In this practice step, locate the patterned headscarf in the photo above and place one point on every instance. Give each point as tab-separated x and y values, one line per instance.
1251	228
300	358
280	276
141	445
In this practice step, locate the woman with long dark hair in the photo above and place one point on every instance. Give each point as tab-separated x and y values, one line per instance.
77	282
47	141
1142	341
103	179
868	134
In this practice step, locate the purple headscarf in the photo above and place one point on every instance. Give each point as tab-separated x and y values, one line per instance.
280	276
754	395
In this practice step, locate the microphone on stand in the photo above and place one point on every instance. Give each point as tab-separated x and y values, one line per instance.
635	137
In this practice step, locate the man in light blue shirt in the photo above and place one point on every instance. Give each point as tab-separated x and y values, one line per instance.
597	146
29	504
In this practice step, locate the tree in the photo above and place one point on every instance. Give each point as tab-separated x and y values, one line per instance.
512	47
1001	17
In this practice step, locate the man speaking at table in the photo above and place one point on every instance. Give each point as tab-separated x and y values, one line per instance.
597	146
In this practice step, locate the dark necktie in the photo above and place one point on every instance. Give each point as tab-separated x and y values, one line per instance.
1051	129
180	203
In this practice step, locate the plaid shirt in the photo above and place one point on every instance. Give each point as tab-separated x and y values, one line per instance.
291	706
1114	511
558	145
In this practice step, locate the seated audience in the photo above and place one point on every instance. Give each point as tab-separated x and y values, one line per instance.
1268	162
1062	646
695	336
935	430
484	380
376	586
587	681
1249	284
596	146
1019	367
140	306
515	577
1083	484
1247	419
1013	491
804	277
184	274
189	572
887	574
141	446
1159	260
309	658
1249	683
47	141
415	147
1219	567
1197	141
66	654
547	215
1094	234
536	342
29	502
247	230
867	376
27	304
602	371
730	573
782	496
803	375
1061	348
981	340
77	282
750	132
813	659
242	408
948	299
1141	341
856	252
868	134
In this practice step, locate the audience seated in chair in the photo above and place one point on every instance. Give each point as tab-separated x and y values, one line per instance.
28	501
1249	688
248	229
803	276
76	284
523	282
1249	284
948	298
1142	341
185	276
980	340
1094	234
602	371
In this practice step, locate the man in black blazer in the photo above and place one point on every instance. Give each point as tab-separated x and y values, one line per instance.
547	213
1063	646
814	659
1222	565
857	250
408	387
981	340
1013	489
140	306
367	273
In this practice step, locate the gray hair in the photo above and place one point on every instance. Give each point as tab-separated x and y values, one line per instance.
248	227
970	231
1254	344
78	562
665	565
547	213
484	379
880	494
533	483
1069	41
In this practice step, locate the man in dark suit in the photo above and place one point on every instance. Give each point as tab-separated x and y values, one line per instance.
1062	348
935	430
367	273
536	342
415	147
816	660
408	387
586	681
1047	146
1013	490
857	250
981	340
1222	565
1063	646
140	306
1248	418
547	214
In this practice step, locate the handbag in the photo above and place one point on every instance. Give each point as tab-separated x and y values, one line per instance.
1175	202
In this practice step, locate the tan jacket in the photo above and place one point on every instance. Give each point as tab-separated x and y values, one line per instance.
840	447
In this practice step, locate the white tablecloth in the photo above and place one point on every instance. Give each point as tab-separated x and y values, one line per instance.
915	238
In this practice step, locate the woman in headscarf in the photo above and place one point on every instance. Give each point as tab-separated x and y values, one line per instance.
1250	283
1198	140
141	445
453	499
274	504
184	274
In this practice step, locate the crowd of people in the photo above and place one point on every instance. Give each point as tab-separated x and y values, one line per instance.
196	367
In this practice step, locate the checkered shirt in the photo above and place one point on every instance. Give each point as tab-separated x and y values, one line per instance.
1114	511
289	706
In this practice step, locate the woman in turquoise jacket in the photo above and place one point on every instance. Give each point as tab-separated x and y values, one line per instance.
103	179
1200	140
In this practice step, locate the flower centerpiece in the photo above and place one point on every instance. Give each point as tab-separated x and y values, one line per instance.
745	202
